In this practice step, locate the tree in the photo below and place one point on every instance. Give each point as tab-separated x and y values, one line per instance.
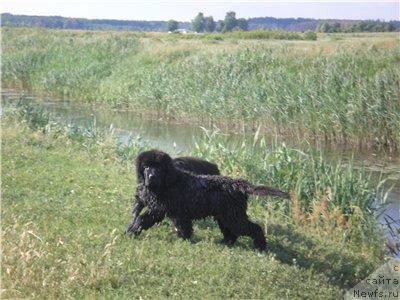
198	23
242	24
220	26
209	24
390	27
336	27
324	27
229	21
172	25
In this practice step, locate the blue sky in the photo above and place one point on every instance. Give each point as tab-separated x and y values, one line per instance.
186	10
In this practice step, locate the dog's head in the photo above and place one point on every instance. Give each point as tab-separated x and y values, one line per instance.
155	170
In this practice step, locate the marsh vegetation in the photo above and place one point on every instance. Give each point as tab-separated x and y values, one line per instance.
341	89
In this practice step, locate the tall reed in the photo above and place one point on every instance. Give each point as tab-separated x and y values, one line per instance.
348	96
331	196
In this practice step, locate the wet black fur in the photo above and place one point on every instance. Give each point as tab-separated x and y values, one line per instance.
196	165
183	196
144	199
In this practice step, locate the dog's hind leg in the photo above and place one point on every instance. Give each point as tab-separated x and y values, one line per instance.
183	227
243	226
257	235
229	237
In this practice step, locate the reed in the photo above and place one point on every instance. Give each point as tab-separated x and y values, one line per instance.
347	96
333	197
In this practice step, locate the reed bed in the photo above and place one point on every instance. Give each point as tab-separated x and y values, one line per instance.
348	96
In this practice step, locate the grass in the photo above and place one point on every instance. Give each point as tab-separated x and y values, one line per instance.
341	89
66	199
253	35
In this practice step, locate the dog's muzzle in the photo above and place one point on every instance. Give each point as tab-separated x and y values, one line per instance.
150	177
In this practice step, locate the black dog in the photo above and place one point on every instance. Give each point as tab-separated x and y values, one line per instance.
186	163
183	196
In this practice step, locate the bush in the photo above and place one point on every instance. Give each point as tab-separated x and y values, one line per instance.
310	36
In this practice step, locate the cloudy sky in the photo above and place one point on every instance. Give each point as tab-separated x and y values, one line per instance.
186	10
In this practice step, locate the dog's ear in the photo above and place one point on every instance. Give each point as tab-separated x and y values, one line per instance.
139	173
169	170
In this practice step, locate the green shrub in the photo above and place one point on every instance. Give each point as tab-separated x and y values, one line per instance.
310	36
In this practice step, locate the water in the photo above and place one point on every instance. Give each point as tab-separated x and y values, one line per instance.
179	138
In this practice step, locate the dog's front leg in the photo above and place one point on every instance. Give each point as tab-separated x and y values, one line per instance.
183	227
137	207
145	221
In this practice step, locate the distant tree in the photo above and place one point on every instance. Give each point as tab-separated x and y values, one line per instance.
58	24
229	21
242	24
370	26
209	24
172	25
362	26
336	27
390	27
324	27
367	26
220	26
71	23
198	24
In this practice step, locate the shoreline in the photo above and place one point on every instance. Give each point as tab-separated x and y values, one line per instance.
236	127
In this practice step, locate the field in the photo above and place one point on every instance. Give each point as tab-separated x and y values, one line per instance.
66	200
340	89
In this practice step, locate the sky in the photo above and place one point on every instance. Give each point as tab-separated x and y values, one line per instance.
182	10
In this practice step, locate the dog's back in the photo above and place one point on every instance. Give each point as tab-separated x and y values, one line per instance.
196	165
217	190
199	196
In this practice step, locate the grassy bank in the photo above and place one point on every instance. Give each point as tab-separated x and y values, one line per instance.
339	89
66	201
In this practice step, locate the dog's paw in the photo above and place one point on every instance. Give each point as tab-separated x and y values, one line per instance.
262	247
227	242
133	229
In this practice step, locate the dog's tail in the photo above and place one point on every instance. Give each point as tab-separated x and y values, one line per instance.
262	190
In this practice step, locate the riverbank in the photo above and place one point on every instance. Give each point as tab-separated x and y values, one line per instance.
341	89
66	201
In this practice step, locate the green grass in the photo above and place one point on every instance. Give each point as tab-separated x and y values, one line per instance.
66	196
252	35
338	91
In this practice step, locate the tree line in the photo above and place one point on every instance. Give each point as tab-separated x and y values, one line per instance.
362	26
230	23
58	22
200	23
207	24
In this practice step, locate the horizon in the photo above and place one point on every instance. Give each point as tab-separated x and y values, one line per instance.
186	11
189	21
